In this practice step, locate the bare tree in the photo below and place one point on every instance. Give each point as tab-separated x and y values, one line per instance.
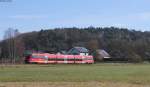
93	45
14	46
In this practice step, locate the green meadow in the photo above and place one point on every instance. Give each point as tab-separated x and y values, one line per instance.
109	72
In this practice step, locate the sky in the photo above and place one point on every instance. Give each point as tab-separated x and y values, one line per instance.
34	15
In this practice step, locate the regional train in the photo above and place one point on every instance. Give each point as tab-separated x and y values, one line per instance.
46	58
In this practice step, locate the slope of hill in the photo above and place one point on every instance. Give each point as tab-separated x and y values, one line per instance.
120	43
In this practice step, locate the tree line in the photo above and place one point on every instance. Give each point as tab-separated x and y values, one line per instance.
121	43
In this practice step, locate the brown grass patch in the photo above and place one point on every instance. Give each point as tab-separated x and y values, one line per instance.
70	84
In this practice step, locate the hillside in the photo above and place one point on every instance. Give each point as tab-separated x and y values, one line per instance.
120	43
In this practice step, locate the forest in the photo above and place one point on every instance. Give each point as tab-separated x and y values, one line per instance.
121	43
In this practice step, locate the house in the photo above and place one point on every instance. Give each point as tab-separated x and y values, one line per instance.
79	51
101	54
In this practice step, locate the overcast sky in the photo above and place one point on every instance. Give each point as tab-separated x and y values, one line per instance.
33	15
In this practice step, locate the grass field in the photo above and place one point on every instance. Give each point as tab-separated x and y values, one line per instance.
100	75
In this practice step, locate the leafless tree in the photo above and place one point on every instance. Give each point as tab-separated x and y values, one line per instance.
14	45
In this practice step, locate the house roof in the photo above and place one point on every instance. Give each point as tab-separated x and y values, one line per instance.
78	49
81	49
103	53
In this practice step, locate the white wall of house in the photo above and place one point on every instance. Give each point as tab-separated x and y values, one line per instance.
84	54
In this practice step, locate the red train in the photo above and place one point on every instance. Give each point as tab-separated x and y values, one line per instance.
46	58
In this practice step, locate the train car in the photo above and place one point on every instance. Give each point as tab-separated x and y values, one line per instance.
46	58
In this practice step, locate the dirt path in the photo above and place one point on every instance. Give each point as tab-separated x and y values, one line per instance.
69	84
